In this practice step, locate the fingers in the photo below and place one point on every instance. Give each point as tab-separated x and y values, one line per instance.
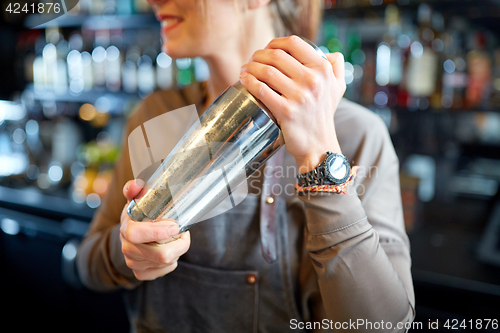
297	48
271	76
281	60
149	261
151	255
146	232
338	64
132	189
271	99
154	273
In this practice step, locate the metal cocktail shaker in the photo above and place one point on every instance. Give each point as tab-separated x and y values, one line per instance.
234	138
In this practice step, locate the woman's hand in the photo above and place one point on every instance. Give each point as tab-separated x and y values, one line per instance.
148	259
302	90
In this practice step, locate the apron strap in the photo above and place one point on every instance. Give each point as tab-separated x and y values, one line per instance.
268	203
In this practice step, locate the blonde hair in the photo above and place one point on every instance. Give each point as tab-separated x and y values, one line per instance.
297	17
290	17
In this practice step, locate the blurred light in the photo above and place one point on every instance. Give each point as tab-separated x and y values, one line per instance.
32	172
460	64
184	77
381	99
100	185
383	64
69	251
424	168
335	45
49	52
10	226
404	41
12	163
103	104
103	137
74	57
437	45
446	101
55	173
112	53
496	84
349	72
87	112
324	49
76	85
101	119
183	63
358	56
201	70
43	181
80	182
19	135
32	127
76	168
163	60
449	66
428	34
76	42
358	72
86	58
144	62
11	111
93	200
423	103
99	54
417	49
376	2
78	196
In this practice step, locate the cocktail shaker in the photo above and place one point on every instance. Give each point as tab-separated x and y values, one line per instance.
234	138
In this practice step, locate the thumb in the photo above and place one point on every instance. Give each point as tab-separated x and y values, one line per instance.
132	188
338	64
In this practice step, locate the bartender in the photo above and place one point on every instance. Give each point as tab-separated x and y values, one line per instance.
341	254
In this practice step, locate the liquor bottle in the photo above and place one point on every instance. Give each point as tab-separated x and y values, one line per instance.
454	75
113	68
129	70
422	71
495	83
479	66
145	75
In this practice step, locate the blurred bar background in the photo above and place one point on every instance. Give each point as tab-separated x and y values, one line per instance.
430	69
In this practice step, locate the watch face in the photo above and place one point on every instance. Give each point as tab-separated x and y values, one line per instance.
337	168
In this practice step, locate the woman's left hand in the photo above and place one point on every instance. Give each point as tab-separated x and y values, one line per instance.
302	90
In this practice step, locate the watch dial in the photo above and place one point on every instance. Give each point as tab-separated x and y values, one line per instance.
337	168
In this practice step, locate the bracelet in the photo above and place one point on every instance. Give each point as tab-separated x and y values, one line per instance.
340	188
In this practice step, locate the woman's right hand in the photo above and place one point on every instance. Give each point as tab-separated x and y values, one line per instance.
148	259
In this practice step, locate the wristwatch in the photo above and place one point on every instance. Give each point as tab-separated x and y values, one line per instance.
334	170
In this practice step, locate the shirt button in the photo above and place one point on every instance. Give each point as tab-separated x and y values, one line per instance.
269	200
252	278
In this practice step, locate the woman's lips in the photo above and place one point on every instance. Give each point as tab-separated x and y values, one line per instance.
169	22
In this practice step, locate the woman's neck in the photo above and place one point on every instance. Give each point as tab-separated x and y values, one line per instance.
225	65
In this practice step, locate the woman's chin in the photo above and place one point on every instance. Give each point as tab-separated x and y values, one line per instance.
177	51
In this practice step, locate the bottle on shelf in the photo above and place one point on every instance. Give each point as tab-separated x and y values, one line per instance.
454	73
423	62
479	68
494	100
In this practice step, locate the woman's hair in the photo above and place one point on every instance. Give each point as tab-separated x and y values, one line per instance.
290	17
297	17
